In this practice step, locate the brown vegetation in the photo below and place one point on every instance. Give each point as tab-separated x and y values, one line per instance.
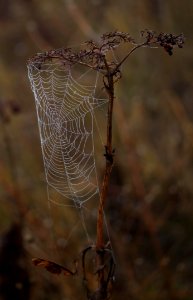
149	204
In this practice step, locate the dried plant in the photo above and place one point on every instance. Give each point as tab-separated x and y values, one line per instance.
94	55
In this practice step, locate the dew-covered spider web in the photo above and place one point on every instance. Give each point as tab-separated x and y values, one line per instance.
66	101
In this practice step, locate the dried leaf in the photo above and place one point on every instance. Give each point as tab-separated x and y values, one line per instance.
52	267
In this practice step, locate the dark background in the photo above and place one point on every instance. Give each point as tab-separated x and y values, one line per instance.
150	203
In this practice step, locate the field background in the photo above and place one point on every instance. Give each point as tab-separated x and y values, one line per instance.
150	207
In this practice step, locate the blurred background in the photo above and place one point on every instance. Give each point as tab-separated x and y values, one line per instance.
150	205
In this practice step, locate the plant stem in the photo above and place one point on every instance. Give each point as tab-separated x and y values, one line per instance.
109	86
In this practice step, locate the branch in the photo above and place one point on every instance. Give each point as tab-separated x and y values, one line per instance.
125	58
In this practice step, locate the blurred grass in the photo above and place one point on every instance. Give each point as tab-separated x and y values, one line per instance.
151	199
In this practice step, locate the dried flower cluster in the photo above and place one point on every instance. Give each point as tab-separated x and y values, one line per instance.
166	40
94	53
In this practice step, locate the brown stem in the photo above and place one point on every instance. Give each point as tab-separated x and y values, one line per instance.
109	86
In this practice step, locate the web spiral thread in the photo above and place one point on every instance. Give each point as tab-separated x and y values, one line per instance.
65	110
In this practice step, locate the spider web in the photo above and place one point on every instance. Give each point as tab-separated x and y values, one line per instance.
65	105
